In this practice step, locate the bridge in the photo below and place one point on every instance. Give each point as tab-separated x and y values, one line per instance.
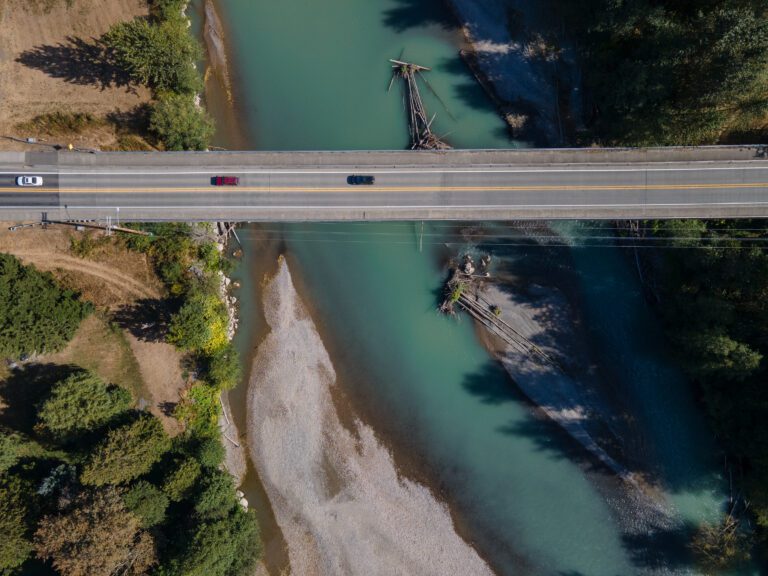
701	182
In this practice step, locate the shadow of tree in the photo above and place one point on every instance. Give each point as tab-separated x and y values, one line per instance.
416	13
25	389
77	61
492	385
147	319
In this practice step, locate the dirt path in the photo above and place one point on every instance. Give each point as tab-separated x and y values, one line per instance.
47	260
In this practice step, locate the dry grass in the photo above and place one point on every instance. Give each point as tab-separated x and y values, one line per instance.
112	278
47	68
99	347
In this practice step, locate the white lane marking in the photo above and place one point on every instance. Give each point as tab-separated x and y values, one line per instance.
380	170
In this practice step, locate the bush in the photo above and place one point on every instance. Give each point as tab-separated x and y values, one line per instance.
35	314
200	325
180	124
81	403
223	367
147	502
210	453
166	9
158	55
199	409
128	452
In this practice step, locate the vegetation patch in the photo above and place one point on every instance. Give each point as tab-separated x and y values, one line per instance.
673	72
61	123
36	315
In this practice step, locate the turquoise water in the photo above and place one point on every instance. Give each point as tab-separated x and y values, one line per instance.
314	75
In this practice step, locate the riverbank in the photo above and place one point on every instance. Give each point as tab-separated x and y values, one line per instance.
329	485
526	64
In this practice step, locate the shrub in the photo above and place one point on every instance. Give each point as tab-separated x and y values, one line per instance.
223	367
166	9
127	452
199	409
210	453
147	502
81	403
35	314
200	325
180	124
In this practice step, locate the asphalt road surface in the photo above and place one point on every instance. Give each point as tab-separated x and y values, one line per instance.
459	186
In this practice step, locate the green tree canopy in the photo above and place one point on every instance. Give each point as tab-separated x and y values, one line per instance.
216	496
81	403
160	55
15	545
181	477
96	536
128	452
226	547
180	124
200	325
147	502
223	367
674	71
35	314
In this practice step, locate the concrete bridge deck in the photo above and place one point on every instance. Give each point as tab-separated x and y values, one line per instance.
594	183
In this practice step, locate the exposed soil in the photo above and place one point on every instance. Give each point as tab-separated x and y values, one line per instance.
49	62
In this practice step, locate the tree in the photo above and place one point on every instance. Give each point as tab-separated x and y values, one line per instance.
15	546
35	314
147	502
128	452
160	55
224	369
96	536
181	478
81	403
230	546
210	452
200	325
180	124
216	496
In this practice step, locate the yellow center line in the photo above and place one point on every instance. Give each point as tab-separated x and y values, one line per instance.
363	189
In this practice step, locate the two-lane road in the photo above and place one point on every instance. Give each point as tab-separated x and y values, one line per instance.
460	186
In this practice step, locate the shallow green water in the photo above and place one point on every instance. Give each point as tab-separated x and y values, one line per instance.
313	75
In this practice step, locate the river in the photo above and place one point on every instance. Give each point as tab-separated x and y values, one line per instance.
314	75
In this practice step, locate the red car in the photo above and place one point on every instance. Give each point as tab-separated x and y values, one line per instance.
225	181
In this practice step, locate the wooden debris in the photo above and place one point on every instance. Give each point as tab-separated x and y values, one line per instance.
419	123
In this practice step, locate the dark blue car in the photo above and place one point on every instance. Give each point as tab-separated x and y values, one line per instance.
358	179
